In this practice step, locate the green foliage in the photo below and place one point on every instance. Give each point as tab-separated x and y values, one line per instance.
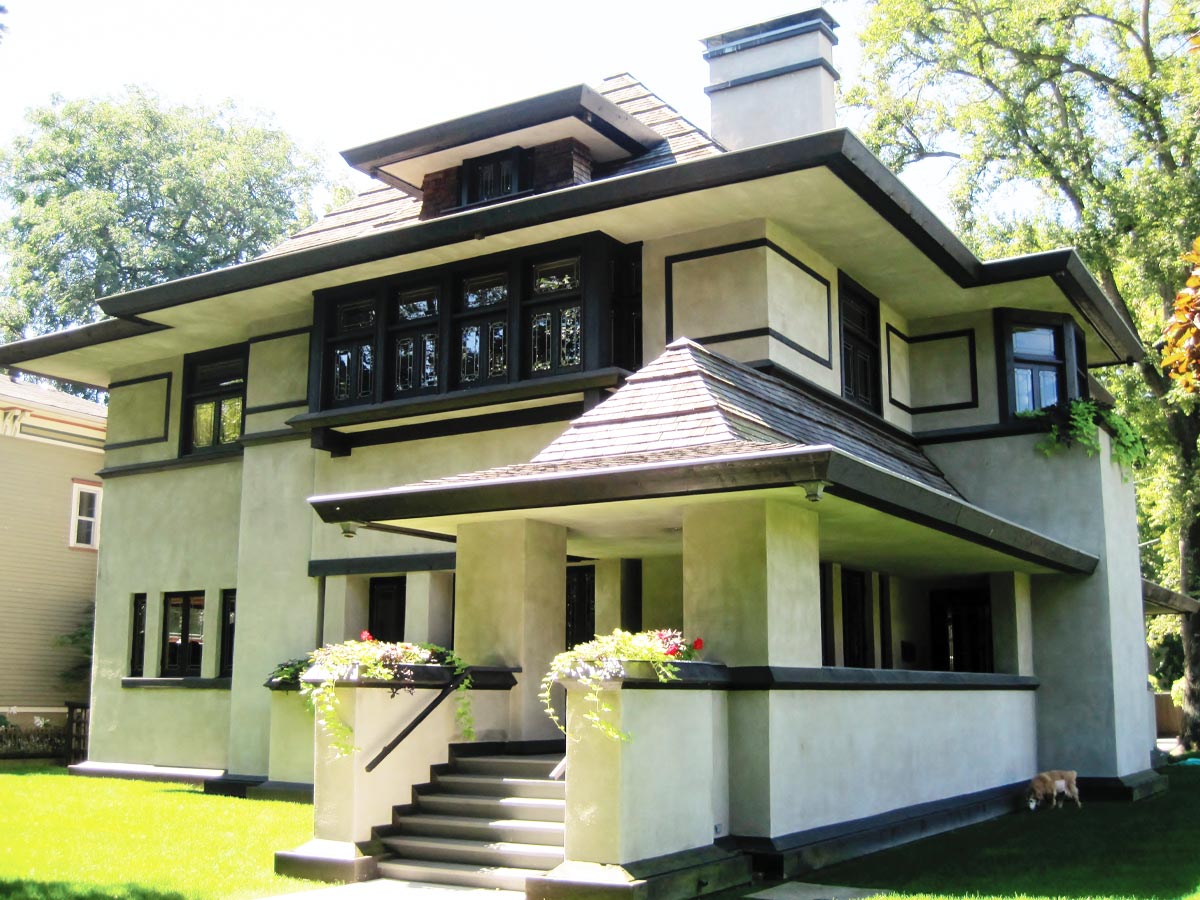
1166	651
1078	423
68	838
80	640
594	663
113	194
367	660
43	739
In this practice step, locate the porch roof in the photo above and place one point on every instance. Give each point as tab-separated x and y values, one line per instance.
1159	600
694	426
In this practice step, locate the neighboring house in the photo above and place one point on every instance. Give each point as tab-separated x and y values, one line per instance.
576	365
51	447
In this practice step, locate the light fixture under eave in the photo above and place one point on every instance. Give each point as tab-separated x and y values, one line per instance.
349	529
813	490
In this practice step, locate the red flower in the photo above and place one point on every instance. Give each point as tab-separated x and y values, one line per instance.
698	644
672	650
365	635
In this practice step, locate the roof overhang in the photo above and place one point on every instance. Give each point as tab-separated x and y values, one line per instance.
826	188
612	508
578	112
1158	600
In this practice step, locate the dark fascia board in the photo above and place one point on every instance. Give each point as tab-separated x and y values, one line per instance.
1170	601
578	101
74	338
764	29
838	150
845	476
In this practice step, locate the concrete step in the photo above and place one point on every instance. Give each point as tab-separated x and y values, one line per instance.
500	786
506	854
525	808
538	766
495	877
476	828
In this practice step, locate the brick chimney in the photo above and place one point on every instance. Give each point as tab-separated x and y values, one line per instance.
772	81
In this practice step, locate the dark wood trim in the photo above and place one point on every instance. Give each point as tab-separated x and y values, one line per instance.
302	403
817	63
768	32
381	565
279	335
516	418
166	429
968	333
428	677
233	452
981	432
777	678
669	263
274	436
187	683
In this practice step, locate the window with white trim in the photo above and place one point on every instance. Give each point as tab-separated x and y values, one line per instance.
85	515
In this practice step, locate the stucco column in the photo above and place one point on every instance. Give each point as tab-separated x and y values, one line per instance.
347	602
662	592
429	607
1012	623
608	595
510	608
752	583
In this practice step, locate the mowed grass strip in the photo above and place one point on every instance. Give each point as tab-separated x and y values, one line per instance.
1144	850
66	837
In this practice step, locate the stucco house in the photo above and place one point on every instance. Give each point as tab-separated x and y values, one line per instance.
51	445
576	365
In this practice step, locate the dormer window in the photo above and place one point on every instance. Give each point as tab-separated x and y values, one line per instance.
1042	358
495	176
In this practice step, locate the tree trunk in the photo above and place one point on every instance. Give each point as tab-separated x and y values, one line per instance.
1189	544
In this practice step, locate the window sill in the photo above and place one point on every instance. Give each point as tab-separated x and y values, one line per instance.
479	204
189	683
424	404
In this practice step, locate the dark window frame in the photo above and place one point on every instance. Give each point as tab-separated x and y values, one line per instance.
137	639
864	343
387	624
228	616
1070	365
475	171
600	294
193	394
187	660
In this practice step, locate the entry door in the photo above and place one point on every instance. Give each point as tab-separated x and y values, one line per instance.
581	604
385	617
961	631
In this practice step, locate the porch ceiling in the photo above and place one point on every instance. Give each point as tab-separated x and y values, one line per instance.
868	517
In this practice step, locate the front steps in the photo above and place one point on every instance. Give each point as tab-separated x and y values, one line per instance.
484	821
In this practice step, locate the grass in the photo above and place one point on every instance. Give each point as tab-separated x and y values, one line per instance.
70	838
1144	850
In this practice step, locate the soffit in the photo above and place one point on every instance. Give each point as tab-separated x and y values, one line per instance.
814	204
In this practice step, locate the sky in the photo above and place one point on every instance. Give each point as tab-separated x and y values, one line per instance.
336	75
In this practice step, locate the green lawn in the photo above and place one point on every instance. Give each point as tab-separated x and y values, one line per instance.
1148	850
70	838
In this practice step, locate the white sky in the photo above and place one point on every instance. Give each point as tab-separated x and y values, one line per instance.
339	74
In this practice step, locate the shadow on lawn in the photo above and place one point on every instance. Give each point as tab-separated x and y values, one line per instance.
20	889
1140	850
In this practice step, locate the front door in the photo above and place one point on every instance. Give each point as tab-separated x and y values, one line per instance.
581	604
961	630
385	617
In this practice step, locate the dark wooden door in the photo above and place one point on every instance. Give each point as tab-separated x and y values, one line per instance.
961	630
386	614
581	604
857	649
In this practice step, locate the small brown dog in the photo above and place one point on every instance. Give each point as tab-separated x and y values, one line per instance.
1048	786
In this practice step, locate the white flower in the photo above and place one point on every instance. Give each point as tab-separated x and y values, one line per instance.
39	722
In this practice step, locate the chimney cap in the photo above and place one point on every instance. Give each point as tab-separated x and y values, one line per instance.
815	19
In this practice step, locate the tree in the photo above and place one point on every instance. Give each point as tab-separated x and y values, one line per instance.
1181	350
120	193
1069	122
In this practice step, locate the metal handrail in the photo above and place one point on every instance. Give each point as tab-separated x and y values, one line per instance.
450	687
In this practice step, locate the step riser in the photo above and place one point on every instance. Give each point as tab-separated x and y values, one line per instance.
484	831
481	807
505	767
500	787
482	856
483	879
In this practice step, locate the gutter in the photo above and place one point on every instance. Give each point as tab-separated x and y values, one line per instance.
843	476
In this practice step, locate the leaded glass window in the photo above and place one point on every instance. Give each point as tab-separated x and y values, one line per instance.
485	290
214	395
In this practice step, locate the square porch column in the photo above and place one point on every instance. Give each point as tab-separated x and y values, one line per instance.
752	591
510	608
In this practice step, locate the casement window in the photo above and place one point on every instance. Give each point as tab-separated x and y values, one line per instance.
137	643
513	316
183	634
85	515
859	312
1042	360
228	615
496	176
385	610
214	386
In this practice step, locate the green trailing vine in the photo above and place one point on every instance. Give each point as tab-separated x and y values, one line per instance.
368	660
1078	423
594	663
